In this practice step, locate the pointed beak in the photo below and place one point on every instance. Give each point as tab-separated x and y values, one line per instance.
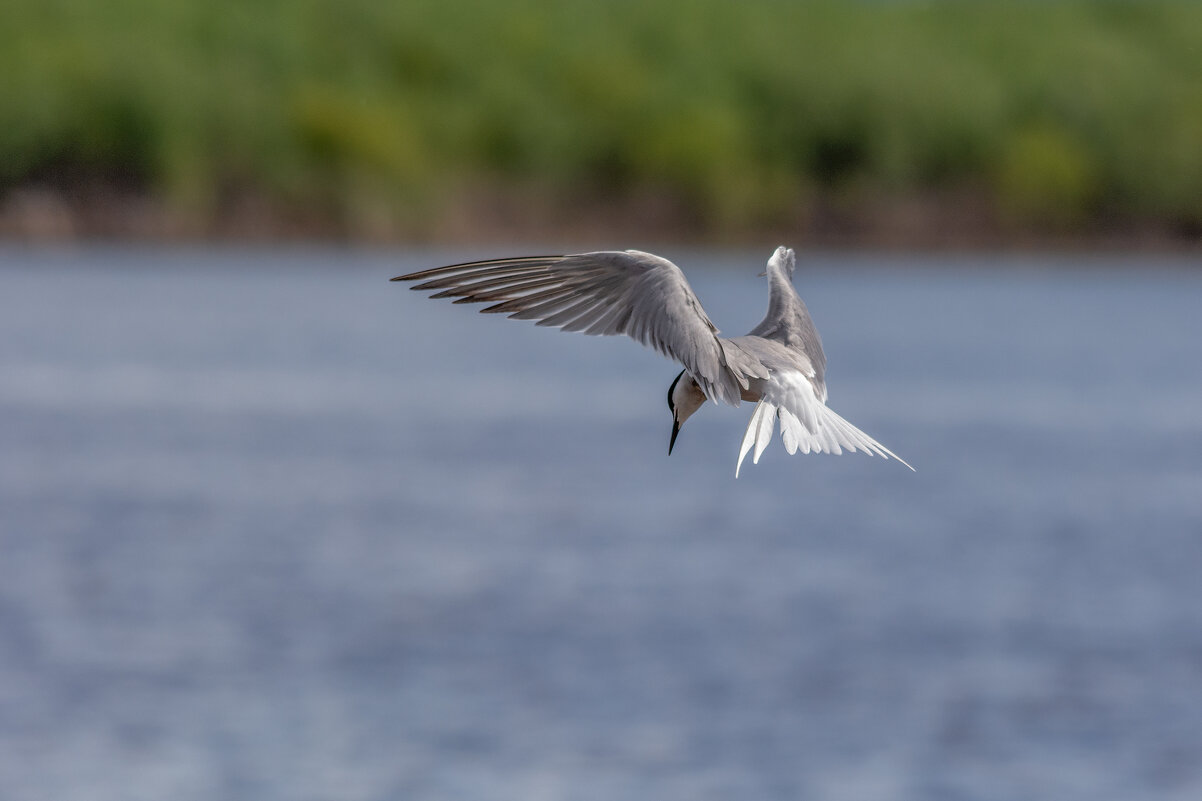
675	431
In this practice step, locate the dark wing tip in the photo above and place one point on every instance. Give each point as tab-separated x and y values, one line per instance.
470	266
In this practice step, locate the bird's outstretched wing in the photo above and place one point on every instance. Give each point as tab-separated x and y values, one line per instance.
788	320
608	292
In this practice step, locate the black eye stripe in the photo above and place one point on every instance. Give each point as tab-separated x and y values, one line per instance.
671	387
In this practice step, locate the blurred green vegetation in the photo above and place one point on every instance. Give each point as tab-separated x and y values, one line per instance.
1061	114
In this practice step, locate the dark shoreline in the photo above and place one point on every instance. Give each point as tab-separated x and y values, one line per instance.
933	222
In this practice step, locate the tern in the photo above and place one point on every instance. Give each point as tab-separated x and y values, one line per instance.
779	365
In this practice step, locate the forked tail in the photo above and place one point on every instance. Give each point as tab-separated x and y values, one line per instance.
829	433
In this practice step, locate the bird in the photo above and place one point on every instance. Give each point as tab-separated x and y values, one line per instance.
779	365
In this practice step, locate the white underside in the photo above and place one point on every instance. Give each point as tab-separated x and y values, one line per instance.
806	424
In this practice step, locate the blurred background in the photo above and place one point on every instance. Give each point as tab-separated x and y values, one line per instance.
274	528
898	123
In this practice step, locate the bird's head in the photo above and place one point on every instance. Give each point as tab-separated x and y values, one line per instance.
684	398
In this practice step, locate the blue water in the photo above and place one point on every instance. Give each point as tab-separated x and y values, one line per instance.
274	528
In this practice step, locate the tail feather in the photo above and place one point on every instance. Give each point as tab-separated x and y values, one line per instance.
791	430
831	434
759	433
763	432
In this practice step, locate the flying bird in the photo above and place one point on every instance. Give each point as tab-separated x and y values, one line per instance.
779	365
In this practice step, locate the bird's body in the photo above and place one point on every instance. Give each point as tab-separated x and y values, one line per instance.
779	365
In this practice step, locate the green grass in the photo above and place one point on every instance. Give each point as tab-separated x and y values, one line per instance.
1063	114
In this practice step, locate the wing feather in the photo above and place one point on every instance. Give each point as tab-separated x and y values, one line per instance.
607	292
788	321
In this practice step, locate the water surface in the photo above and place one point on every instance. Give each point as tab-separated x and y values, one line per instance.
274	528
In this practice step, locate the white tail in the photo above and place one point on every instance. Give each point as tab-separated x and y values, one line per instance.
830	434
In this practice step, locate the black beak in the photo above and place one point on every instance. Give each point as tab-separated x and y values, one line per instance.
675	431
